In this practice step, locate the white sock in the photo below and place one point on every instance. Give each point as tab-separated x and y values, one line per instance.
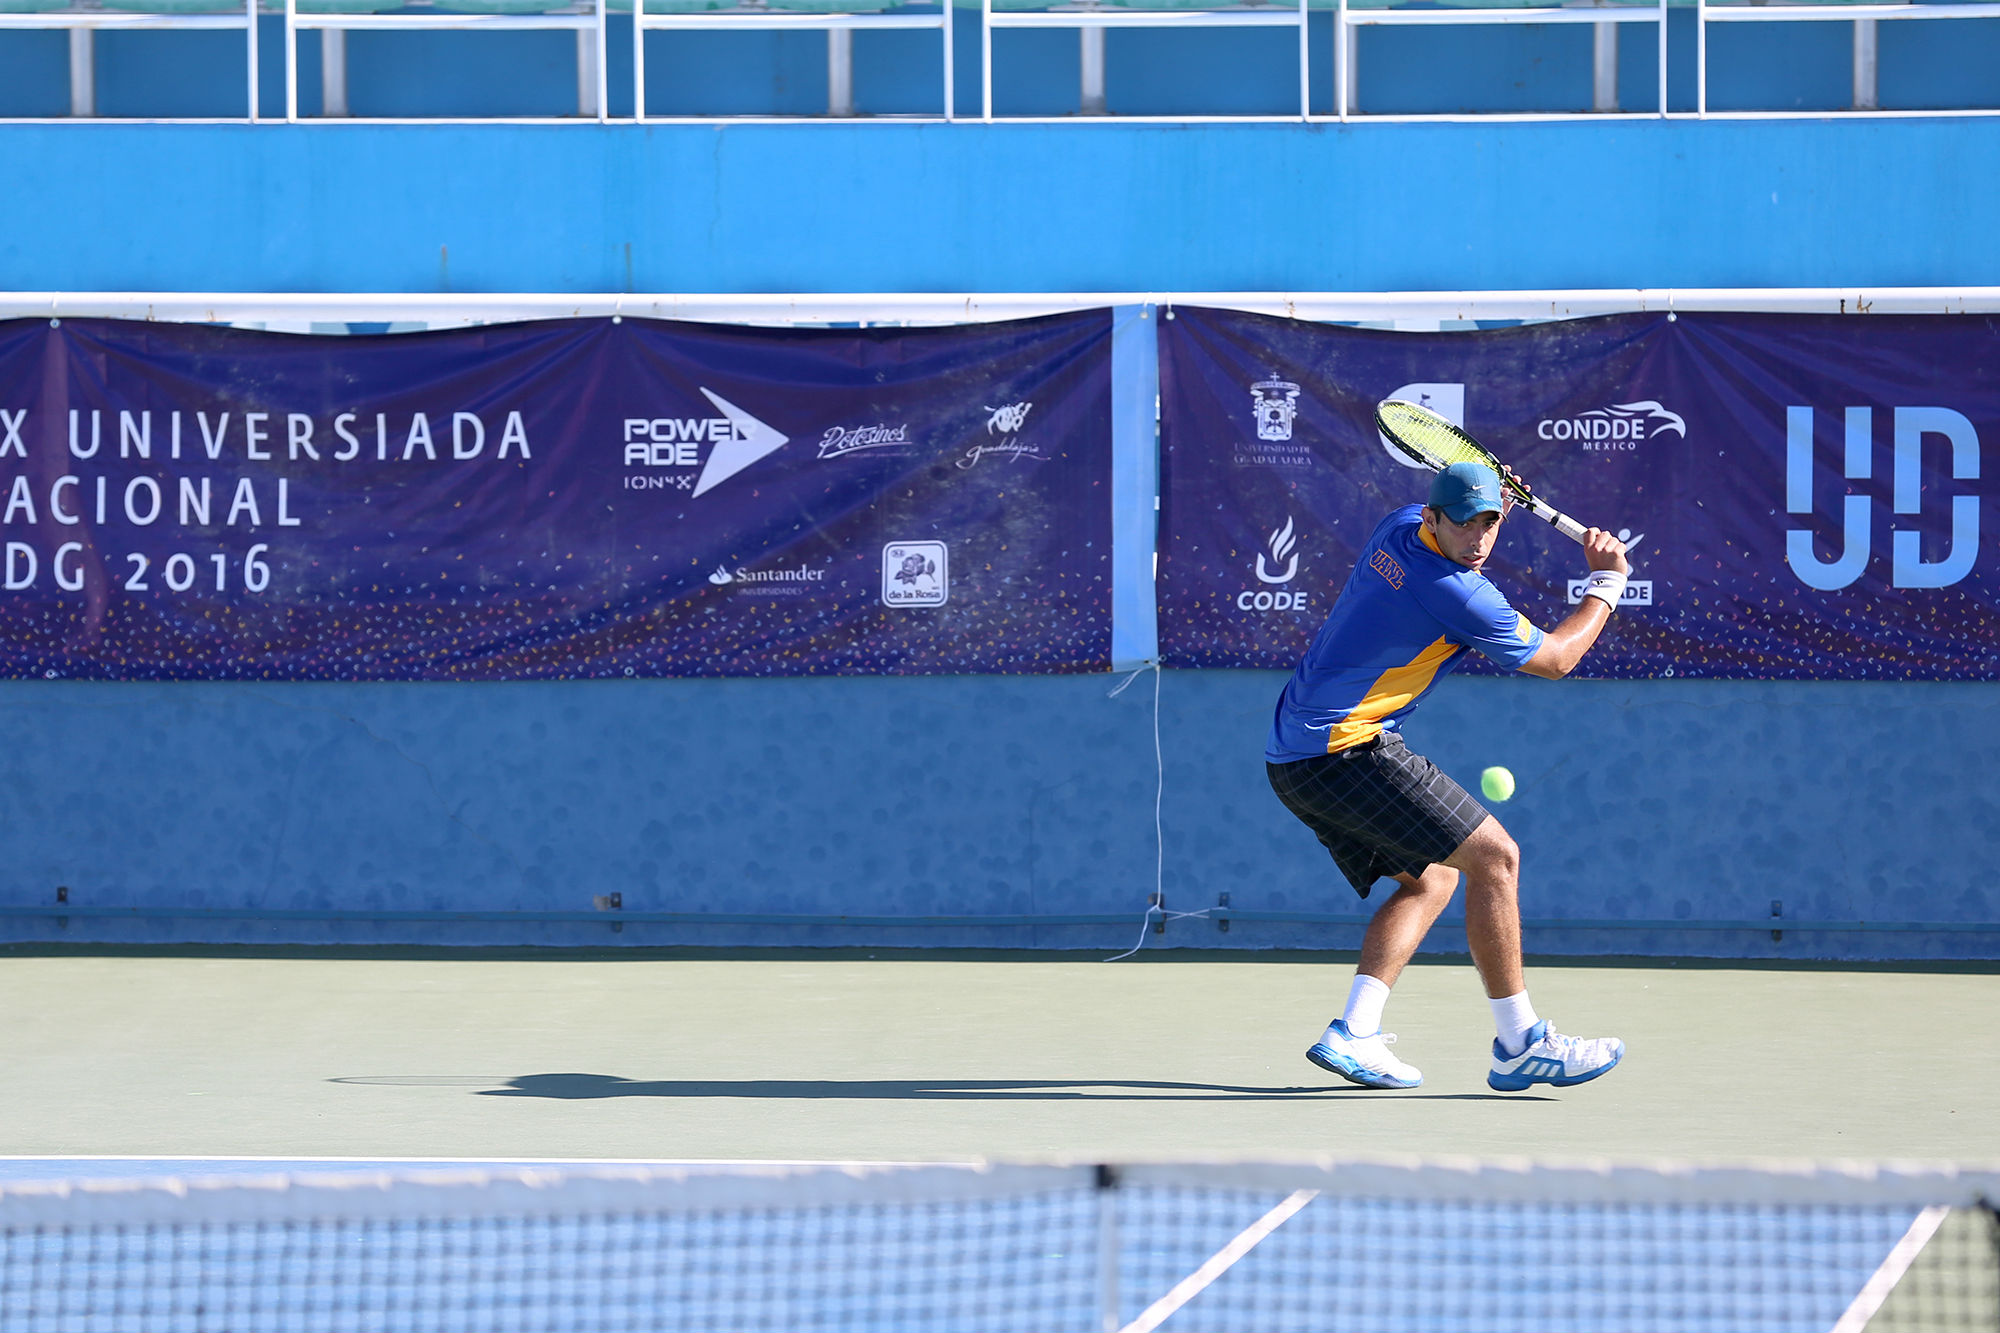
1513	1015
1365	999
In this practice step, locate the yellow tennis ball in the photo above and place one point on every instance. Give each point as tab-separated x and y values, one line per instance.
1497	783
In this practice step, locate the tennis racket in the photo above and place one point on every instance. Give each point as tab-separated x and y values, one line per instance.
1427	438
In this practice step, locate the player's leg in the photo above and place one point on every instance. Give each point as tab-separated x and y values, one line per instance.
1354	1045
1401	923
1491	860
1526	1049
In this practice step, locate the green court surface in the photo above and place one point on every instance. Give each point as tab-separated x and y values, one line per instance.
840	1055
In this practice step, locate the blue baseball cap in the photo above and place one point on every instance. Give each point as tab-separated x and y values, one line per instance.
1464	490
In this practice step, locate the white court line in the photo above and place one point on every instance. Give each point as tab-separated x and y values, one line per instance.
1219	1263
1876	1290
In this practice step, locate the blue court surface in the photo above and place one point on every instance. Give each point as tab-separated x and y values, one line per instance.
260	1082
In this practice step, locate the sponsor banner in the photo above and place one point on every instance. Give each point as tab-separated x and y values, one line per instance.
1804	497
567	499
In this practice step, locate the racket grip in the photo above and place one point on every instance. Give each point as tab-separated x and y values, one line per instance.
1566	525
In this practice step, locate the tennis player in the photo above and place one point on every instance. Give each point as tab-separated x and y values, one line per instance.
1417	600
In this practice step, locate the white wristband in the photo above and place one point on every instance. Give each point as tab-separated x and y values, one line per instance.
1606	585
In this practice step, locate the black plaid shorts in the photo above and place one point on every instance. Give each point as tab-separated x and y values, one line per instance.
1378	808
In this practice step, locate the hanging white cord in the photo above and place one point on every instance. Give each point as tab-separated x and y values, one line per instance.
1157	903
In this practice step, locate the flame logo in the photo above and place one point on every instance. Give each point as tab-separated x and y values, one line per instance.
1281	540
1284	551
721	576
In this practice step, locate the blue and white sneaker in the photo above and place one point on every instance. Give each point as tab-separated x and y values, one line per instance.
1363	1060
1553	1058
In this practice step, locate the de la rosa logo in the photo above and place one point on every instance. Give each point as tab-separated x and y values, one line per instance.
1277	564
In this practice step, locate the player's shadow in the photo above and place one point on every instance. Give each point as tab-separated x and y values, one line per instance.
590	1087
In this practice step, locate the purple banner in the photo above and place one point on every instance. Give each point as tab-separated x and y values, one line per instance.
578	498
1803	496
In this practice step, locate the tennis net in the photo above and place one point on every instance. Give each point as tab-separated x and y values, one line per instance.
1382	1245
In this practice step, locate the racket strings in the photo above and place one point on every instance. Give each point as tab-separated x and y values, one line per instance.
1444	446
1437	442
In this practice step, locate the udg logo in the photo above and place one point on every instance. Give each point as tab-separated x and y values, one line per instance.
1908	568
1619	427
1276	403
1281	568
734	441
1274	409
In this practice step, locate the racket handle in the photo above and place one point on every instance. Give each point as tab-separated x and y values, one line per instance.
1562	522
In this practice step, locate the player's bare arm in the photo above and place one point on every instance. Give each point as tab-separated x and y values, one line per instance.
1566	644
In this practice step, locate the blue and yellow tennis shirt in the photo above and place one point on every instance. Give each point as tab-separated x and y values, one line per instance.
1404	620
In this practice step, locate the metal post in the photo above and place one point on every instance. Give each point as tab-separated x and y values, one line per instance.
950	92
1305	67
1343	71
1109	1318
986	59
840	71
586	74
1604	67
1090	42
1663	59
333	71
639	59
1867	92
82	72
291	64
603	75
250	7
1701	57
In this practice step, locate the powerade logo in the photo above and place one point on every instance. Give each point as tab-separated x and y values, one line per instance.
670	448
1618	428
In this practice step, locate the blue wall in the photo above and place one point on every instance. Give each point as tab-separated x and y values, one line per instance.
1674	808
915	208
1662	802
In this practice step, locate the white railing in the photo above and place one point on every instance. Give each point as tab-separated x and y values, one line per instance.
589	18
1091	20
1604	61
288	313
83	26
333	29
839	28
1863	17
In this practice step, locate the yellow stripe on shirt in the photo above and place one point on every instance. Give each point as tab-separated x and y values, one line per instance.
1392	691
